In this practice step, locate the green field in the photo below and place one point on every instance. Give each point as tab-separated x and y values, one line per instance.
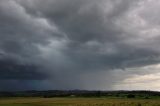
77	102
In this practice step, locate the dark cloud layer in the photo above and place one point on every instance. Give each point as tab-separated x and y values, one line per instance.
65	44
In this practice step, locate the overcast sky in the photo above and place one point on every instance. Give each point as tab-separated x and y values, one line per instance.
80	44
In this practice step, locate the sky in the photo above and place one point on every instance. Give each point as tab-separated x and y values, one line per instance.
79	44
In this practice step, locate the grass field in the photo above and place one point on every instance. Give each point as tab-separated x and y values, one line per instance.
77	102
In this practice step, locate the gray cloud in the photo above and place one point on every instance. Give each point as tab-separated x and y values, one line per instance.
63	42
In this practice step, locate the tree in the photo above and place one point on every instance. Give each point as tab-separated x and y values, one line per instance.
130	96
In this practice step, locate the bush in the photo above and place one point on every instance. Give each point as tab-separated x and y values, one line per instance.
130	96
147	97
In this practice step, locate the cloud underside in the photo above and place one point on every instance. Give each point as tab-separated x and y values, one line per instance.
77	44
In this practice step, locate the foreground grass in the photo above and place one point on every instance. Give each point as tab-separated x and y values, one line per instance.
78	102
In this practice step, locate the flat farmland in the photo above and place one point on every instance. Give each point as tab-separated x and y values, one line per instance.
77	102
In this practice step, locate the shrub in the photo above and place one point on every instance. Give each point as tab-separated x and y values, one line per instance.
130	96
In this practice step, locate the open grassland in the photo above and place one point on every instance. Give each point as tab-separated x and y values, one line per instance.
77	102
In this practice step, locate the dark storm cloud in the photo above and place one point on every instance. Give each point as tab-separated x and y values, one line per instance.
12	70
19	36
82	20
92	33
62	40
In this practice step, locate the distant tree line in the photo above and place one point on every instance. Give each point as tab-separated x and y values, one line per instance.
81	93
